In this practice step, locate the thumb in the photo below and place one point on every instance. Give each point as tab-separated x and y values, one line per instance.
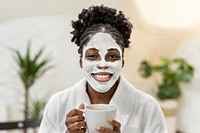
81	106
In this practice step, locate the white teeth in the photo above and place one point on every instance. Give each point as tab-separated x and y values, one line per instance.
102	76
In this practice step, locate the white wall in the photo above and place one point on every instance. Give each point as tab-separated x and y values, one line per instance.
188	114
12	9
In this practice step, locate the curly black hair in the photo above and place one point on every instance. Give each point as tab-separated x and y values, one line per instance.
101	15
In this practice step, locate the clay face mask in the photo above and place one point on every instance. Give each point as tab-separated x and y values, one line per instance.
101	74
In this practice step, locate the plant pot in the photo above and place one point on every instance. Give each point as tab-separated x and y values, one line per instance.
169	108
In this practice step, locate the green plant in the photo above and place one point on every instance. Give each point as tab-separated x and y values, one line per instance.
173	72
37	108
30	69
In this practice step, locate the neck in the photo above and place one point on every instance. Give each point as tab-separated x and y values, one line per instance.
101	98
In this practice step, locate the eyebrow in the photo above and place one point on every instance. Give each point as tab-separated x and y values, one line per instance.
111	49
93	49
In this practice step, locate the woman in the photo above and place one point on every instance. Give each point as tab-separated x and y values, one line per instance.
101	34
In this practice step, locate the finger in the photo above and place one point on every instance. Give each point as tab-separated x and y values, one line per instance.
77	126
82	130
81	106
115	124
74	112
73	116
104	130
74	119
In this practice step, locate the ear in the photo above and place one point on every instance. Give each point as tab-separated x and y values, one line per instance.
123	62
80	62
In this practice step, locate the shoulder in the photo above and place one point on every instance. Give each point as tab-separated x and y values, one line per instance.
148	104
141	98
63	95
138	104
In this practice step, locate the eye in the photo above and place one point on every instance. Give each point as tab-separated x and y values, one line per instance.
92	54
112	57
92	57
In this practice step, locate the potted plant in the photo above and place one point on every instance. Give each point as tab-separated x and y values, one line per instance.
35	112
172	73
30	69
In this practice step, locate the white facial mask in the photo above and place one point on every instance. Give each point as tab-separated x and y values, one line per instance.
102	42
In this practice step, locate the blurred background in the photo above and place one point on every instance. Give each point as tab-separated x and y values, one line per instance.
167	28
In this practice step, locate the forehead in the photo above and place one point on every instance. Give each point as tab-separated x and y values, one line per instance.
102	41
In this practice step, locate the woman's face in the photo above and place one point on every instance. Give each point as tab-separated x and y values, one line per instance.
102	62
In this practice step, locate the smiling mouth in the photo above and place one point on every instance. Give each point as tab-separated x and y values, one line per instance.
102	76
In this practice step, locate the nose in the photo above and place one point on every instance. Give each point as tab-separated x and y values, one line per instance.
102	65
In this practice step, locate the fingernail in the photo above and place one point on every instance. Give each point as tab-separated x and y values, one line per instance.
110	120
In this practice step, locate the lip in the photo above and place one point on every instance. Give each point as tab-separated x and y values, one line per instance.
102	76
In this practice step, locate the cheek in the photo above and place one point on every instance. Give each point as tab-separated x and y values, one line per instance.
87	65
115	65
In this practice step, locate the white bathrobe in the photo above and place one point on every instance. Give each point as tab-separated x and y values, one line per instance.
137	111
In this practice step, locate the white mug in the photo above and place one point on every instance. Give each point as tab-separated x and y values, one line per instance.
98	114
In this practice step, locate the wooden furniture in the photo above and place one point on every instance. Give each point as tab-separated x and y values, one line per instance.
20	125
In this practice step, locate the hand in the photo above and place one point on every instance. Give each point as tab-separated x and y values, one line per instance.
75	121
114	123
